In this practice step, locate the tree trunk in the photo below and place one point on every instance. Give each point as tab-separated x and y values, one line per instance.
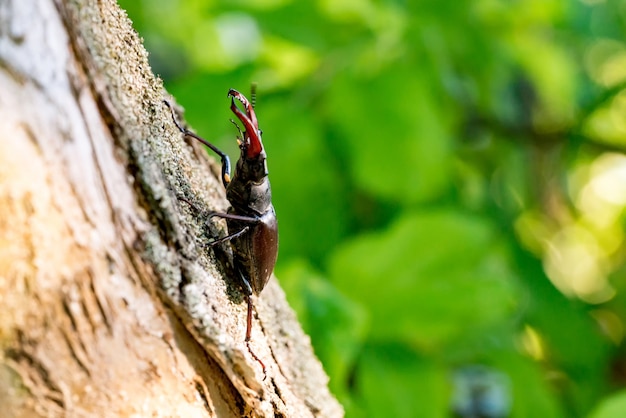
110	305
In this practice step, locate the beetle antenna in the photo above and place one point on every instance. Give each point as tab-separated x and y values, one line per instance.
253	94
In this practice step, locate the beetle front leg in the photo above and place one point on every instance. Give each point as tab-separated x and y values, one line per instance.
223	157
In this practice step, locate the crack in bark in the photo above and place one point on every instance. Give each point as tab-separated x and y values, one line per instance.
34	375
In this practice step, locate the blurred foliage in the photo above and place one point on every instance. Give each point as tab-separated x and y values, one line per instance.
450	181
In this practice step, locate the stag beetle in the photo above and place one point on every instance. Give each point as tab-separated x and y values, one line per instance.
251	219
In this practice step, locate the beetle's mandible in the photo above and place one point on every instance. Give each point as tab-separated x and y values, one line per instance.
251	220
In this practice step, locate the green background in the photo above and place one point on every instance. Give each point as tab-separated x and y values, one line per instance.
450	183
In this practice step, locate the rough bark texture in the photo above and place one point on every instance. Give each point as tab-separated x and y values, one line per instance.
109	303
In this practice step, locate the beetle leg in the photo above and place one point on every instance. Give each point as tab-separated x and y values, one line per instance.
184	199
240	218
229	237
247	289
249	326
243	218
223	156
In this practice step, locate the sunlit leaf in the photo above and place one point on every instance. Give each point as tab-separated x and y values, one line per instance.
611	407
409	275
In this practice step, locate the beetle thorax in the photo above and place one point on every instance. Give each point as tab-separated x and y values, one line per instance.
249	191
250	197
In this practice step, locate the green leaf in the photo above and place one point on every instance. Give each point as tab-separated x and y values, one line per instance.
396	135
336	324
428	273
394	381
611	407
532	395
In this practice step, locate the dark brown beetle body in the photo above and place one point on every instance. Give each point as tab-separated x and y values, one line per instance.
251	220
250	195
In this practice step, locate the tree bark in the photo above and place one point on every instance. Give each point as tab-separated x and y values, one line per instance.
110	305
